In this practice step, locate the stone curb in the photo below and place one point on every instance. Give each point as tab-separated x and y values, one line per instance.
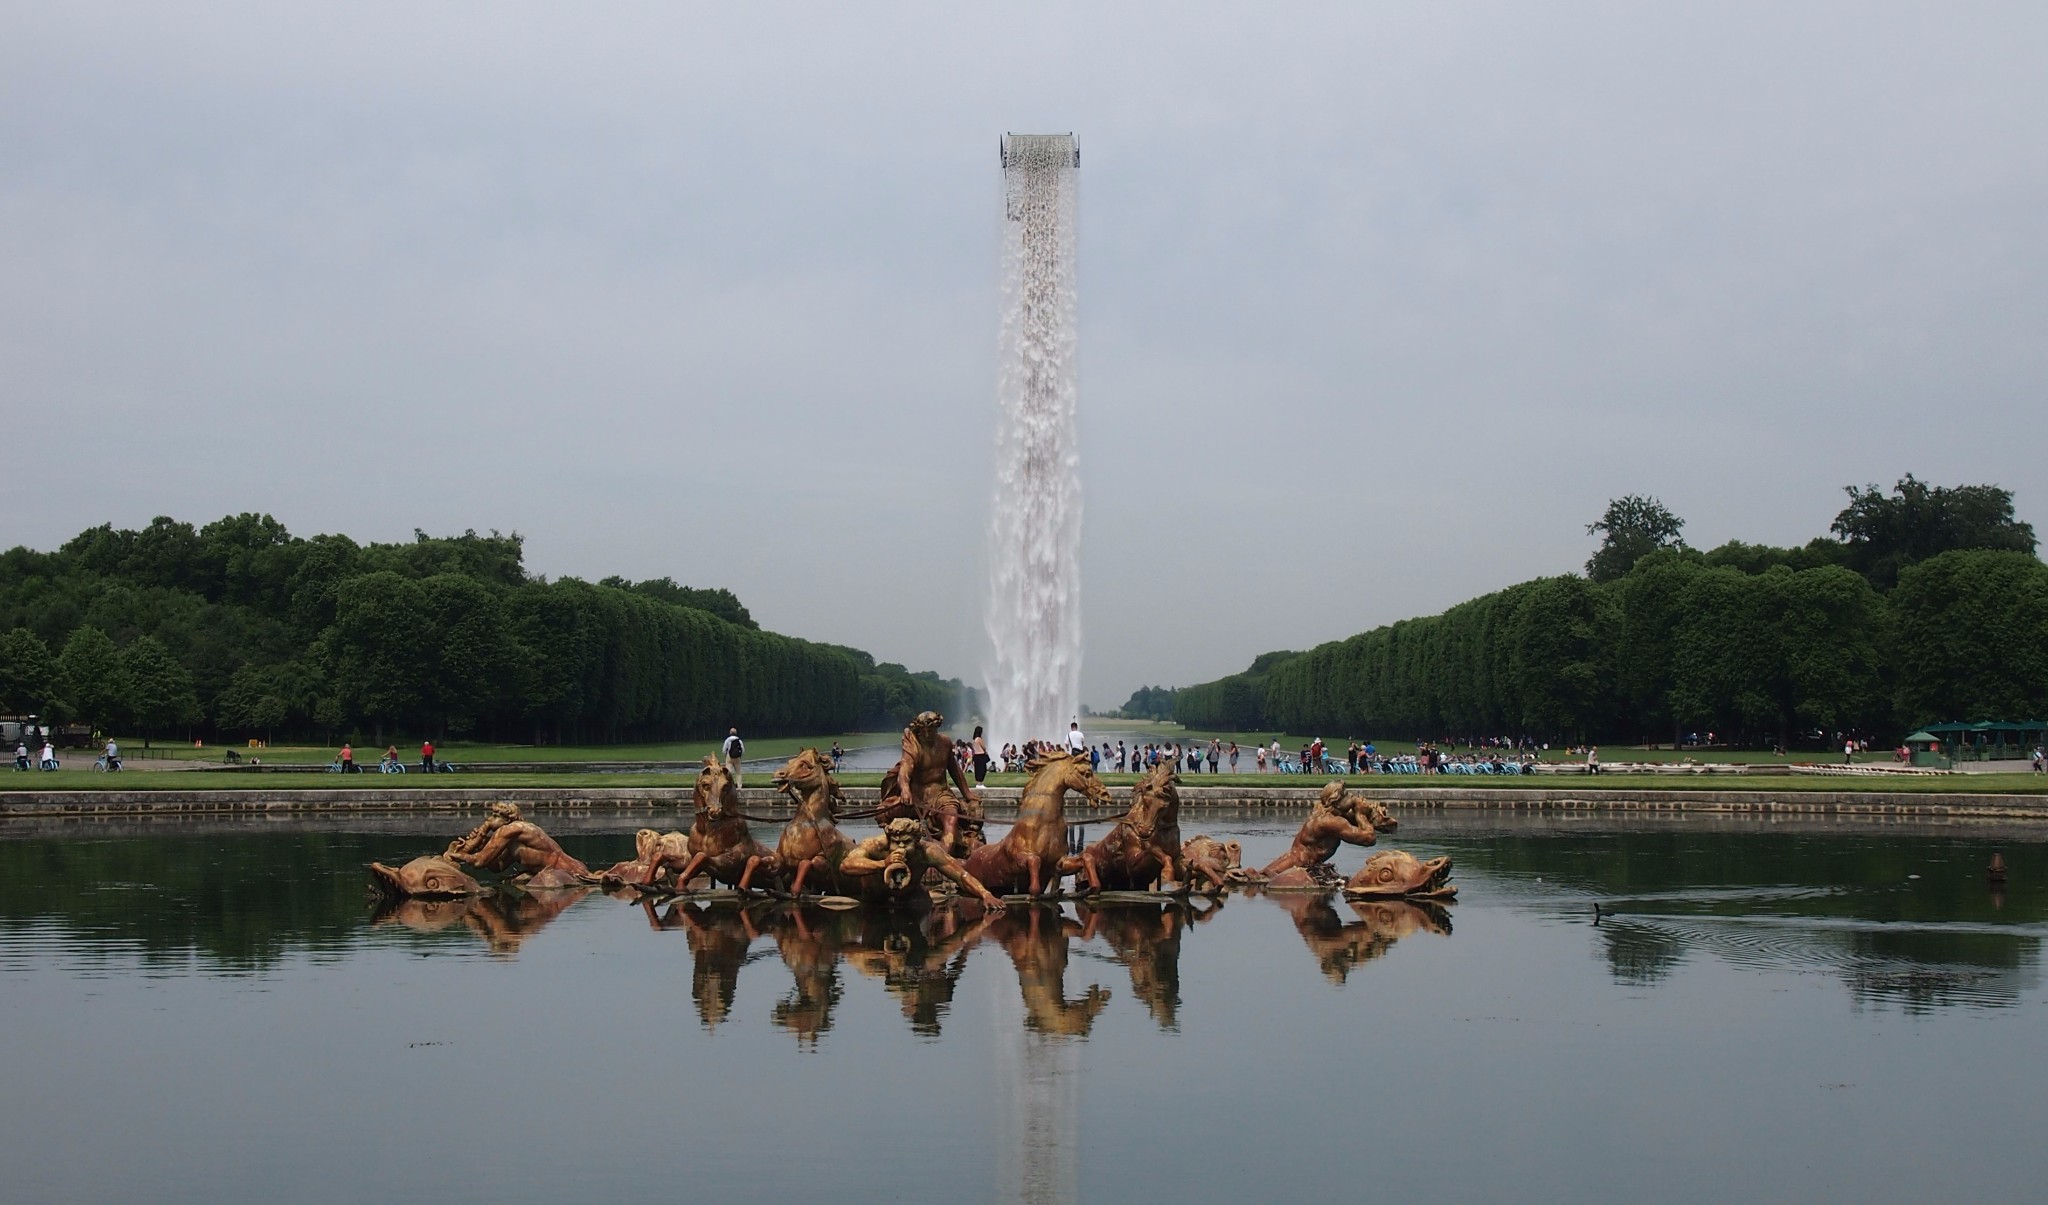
1803	803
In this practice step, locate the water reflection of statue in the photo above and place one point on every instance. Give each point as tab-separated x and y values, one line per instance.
918	958
1146	939
810	940
504	920
1036	940
1341	947
917	786
719	938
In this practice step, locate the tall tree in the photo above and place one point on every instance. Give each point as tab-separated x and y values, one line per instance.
1972	639
159	689
28	673
1633	528
1885	534
94	682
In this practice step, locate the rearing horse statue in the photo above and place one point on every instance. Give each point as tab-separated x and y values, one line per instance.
811	842
1144	847
1028	857
721	844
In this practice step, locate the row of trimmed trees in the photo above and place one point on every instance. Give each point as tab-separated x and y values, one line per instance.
240	628
1767	646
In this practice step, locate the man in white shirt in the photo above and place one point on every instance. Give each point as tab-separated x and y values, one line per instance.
734	749
1076	743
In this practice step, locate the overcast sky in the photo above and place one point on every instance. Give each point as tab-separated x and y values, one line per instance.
1380	304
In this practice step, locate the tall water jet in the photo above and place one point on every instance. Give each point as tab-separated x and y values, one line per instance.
1034	546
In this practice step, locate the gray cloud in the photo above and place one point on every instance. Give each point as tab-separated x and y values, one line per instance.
1380	304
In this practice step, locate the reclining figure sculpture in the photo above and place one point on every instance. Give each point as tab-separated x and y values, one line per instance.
1335	819
654	853
509	844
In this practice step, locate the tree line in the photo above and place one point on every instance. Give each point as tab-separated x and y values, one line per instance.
1923	605
239	628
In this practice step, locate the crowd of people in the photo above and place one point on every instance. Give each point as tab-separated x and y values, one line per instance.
1216	755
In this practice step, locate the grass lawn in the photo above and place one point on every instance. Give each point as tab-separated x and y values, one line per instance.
241	780
461	752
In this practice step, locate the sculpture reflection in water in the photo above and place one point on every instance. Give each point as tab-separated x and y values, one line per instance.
1146	940
899	907
503	919
1341	946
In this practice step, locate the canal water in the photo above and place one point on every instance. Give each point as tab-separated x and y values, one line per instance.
201	1010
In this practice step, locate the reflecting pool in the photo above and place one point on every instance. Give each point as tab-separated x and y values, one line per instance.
200	1010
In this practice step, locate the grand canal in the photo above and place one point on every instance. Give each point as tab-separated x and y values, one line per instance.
200	1010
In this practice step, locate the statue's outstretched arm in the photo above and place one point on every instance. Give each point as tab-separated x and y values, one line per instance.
952	869
1355	834
492	855
863	858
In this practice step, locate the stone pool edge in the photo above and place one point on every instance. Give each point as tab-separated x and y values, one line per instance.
545	799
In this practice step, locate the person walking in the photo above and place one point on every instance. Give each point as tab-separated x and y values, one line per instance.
1593	759
734	749
980	748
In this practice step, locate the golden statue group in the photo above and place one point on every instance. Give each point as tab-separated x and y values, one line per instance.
931	844
905	904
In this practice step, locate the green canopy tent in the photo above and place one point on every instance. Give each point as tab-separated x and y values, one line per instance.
1984	740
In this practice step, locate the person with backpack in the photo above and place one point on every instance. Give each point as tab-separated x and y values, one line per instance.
734	749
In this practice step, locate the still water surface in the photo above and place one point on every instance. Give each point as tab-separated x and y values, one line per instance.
201	1010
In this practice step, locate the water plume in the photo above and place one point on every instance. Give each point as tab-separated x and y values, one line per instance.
1034	600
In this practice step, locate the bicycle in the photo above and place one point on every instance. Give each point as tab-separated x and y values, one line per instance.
393	767
102	764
